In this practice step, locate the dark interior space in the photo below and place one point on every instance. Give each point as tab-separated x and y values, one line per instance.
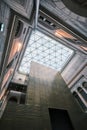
17	87
13	99
60	119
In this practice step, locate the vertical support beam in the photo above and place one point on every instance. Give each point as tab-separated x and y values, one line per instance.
37	11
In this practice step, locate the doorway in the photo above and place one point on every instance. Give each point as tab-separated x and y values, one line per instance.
60	119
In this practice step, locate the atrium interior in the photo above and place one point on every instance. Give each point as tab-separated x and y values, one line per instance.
43	64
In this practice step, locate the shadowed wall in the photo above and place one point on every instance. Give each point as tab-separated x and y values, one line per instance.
46	89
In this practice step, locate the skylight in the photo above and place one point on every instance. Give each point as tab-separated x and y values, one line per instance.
44	50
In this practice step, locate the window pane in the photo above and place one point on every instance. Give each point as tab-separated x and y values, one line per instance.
44	50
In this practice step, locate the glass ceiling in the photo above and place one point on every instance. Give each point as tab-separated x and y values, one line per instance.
46	51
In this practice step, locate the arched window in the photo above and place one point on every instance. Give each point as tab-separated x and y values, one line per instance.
79	100
75	94
13	99
84	84
79	89
82	92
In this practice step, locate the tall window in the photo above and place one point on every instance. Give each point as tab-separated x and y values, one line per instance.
81	95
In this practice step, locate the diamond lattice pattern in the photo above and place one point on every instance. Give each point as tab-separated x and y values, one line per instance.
46	51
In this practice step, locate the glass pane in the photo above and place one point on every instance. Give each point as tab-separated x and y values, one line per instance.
44	50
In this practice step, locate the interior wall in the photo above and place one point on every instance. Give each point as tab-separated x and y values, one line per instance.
75	69
20	78
47	89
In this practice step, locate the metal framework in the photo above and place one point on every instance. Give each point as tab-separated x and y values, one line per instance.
46	51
